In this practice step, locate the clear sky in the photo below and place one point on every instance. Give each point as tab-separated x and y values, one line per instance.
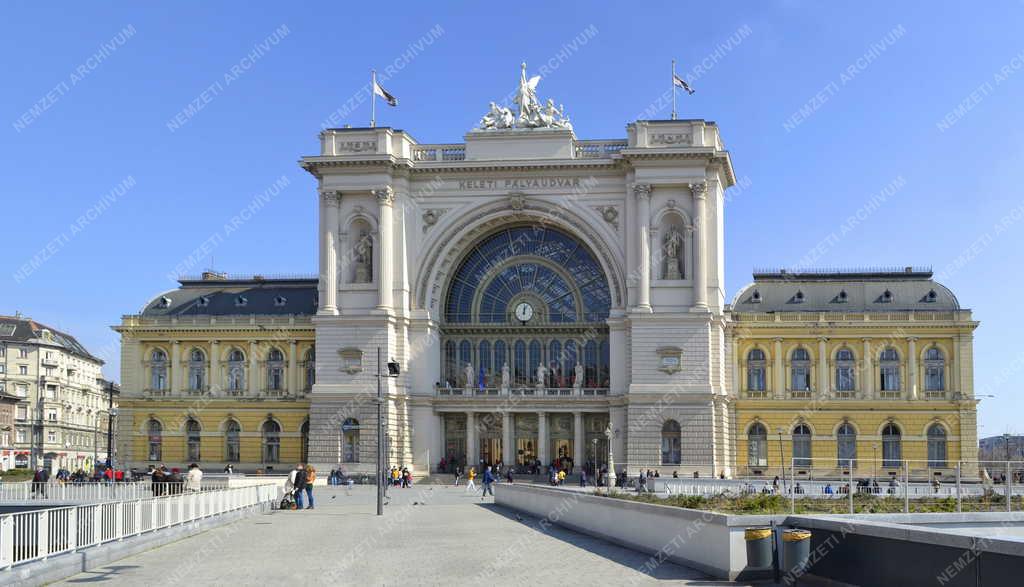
130	134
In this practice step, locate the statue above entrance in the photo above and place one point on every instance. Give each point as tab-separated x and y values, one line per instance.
532	114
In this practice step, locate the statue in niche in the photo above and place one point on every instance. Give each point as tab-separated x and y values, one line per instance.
364	259
672	246
506	377
468	375
542	373
577	381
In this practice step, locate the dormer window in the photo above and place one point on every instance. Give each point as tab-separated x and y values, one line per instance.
932	296
755	298
241	301
842	296
799	297
886	296
165	302
203	302
280	301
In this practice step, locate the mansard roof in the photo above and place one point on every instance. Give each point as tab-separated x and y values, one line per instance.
18	329
844	290
217	294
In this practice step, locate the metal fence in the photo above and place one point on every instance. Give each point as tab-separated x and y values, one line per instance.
39	534
27	491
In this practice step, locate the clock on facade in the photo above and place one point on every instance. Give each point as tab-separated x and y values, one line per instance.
524	312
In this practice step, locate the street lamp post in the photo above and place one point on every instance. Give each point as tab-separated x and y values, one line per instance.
874	460
782	458
393	371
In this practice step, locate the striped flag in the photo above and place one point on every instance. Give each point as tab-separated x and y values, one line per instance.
682	83
380	91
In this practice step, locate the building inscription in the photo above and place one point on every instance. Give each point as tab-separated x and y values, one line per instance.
518	183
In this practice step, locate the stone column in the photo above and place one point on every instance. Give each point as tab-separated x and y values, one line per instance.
329	276
507	439
214	382
578	440
824	385
868	376
176	371
293	369
700	272
386	254
542	439
779	371
472	454
254	370
737	381
912	368
642	192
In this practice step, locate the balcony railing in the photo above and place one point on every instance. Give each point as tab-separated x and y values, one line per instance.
454	152
529	392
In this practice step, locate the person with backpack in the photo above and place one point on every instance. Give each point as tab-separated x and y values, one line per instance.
488	481
299	483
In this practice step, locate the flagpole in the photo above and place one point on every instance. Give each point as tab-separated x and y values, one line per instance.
673	89
373	98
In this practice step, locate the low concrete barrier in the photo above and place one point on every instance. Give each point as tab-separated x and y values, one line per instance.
707	541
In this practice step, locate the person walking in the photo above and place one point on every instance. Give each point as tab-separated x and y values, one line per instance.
298	479
508	475
309	478
583	477
458	475
39	480
470	476
194	479
488	481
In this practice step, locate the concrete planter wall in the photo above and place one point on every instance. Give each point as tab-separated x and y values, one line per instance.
710	542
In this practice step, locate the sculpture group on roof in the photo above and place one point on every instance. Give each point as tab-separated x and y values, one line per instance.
531	113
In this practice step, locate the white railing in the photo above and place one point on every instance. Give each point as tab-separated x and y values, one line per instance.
27	491
532	392
39	534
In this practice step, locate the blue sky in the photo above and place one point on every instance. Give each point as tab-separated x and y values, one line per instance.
915	105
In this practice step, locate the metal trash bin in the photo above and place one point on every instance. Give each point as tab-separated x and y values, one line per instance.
796	549
759	546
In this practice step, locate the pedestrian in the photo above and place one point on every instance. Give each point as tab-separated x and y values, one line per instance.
194	478
488	481
508	475
39	480
298	479
229	469
583	477
310	478
470	476
458	475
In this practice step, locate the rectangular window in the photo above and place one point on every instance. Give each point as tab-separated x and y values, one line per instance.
51	436
801	379
755	379
51	392
3	368
890	379
51	415
22	369
22	353
20	435
935	379
844	379
21	390
22	413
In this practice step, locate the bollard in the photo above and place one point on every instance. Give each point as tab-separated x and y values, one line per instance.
759	546
796	550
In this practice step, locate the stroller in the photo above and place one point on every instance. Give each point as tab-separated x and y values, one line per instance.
288	501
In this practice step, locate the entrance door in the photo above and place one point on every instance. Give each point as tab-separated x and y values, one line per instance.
490	450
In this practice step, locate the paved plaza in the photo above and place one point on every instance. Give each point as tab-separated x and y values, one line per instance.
429	535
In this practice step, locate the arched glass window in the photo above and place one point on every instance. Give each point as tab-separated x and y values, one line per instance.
484	357
892	446
197	370
569	358
520	374
158	370
451	364
934	370
671	436
555	364
500	357
937	446
275	370
846	445
846	379
800	370
232	442
193	441
155	435
757	445
350	440
802	446
756	370
535	360
236	370
590	361
310	369
889	366
271	442
466	355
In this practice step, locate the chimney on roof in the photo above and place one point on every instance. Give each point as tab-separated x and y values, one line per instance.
908	269
214	276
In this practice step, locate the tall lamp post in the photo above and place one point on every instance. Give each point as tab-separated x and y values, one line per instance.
393	371
112	388
782	457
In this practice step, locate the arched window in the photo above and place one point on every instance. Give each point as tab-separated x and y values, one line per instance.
232	442
304	434
520	374
937	446
158	370
800	370
889	365
555	364
846	445
193	436
310	369
350	440
534	360
499	357
451	364
671	435
934	370
892	446
275	370
484	358
271	442
466	357
236	370
801	446
756	370
155	435
757	445
846	379
197	370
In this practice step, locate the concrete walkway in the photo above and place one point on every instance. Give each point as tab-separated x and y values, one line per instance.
428	535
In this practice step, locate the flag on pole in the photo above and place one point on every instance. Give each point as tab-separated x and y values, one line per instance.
682	83
380	91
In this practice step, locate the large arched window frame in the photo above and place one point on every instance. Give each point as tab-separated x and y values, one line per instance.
350	440
937	454
889	369
271	441
197	370
671	439
802	446
892	446
800	370
846	370
275	370
236	370
757	445
158	370
846	445
757	368
310	369
934	370
193	440
155	439
232	442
